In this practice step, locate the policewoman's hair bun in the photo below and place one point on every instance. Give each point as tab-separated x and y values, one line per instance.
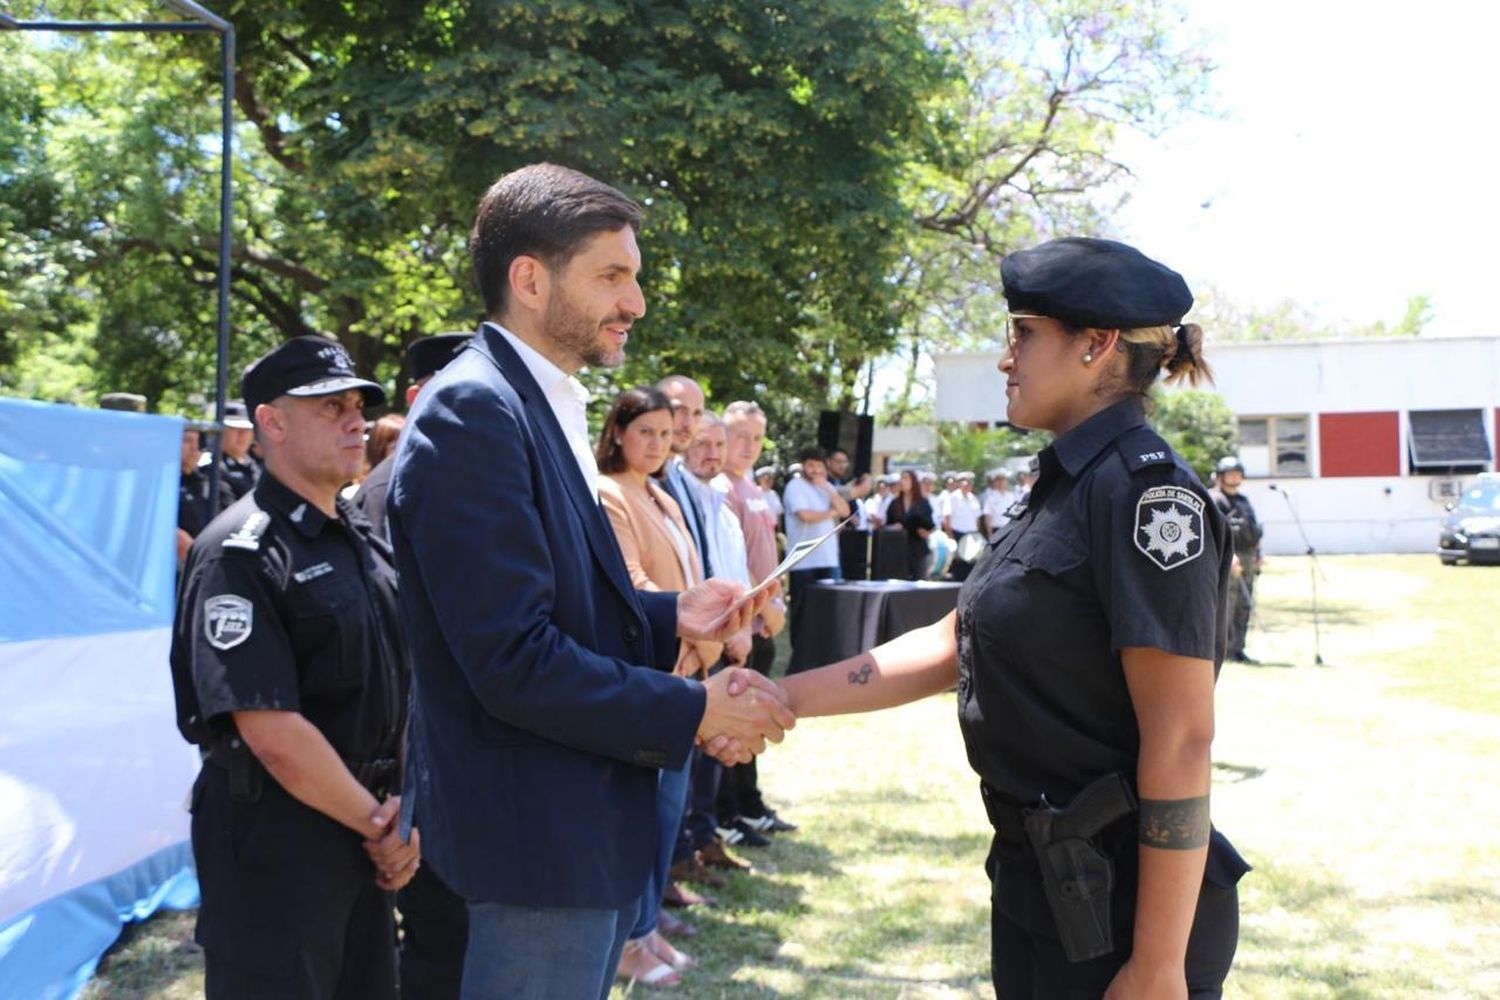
1184	358
1150	349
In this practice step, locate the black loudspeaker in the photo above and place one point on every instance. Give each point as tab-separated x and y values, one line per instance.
851	432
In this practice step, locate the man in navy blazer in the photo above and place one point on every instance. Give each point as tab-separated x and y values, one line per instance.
543	703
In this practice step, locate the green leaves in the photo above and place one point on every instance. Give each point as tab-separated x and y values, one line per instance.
1198	425
825	183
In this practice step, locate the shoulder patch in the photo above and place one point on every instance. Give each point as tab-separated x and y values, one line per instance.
1169	526
247	535
227	620
1144	447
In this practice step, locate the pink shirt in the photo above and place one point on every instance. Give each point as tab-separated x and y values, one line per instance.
748	502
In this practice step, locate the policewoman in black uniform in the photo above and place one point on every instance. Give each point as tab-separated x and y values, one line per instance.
1085	649
289	674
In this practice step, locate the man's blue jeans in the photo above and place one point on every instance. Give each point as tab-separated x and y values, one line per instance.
530	953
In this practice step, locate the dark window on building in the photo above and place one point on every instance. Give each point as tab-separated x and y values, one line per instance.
1447	442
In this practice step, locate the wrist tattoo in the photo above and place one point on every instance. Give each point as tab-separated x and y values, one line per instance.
862	675
1175	824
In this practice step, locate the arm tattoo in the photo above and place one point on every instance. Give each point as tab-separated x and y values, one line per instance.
862	675
1175	824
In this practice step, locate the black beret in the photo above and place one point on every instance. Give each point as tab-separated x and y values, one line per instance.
430	355
1097	283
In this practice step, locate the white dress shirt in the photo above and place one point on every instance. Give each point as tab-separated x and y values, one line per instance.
569	401
724	536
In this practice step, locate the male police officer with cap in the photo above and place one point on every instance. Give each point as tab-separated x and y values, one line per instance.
193	489
238	468
289	673
1245	531
424	359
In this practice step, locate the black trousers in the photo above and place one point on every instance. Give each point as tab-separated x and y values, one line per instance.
1241	604
290	905
434	936
1027	960
700	822
739	788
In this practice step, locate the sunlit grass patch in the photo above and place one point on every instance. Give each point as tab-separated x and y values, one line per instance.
1361	790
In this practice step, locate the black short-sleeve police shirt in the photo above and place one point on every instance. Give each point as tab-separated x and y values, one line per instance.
1118	546
284	608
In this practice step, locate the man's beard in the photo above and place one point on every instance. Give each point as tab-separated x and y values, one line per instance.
578	335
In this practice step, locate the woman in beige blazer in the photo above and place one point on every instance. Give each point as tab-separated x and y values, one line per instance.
659	552
660	555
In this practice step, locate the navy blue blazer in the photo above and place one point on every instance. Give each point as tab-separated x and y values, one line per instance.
542	703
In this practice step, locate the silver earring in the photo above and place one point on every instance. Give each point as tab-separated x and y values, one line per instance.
1087	358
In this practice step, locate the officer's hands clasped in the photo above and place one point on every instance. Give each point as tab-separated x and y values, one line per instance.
395	860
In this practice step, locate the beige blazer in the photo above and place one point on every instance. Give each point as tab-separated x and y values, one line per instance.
650	555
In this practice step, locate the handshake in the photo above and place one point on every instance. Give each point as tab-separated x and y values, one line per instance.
744	710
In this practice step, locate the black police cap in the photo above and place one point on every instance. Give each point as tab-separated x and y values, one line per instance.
236	414
430	355
127	402
1093	282
305	366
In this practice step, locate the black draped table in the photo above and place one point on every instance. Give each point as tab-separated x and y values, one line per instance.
841	619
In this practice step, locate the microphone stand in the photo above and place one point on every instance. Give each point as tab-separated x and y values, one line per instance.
1312	568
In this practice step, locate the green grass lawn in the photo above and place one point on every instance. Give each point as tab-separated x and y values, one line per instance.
1361	790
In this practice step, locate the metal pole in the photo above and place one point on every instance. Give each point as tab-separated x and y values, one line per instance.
199	19
175	27
226	163
191	10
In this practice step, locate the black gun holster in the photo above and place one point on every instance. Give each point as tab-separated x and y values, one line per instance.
247	776
1077	877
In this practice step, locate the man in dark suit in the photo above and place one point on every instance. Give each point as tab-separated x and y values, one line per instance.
538	724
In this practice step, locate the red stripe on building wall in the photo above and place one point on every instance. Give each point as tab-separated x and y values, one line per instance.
1360	444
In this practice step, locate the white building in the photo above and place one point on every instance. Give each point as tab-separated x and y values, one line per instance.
1367	438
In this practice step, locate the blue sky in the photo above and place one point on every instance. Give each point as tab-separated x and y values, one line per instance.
1352	164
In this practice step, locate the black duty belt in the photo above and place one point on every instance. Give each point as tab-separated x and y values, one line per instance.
1008	818
381	776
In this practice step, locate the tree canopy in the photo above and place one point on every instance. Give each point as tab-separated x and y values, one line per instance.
825	183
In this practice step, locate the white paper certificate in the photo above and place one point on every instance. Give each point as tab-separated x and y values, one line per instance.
794	555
